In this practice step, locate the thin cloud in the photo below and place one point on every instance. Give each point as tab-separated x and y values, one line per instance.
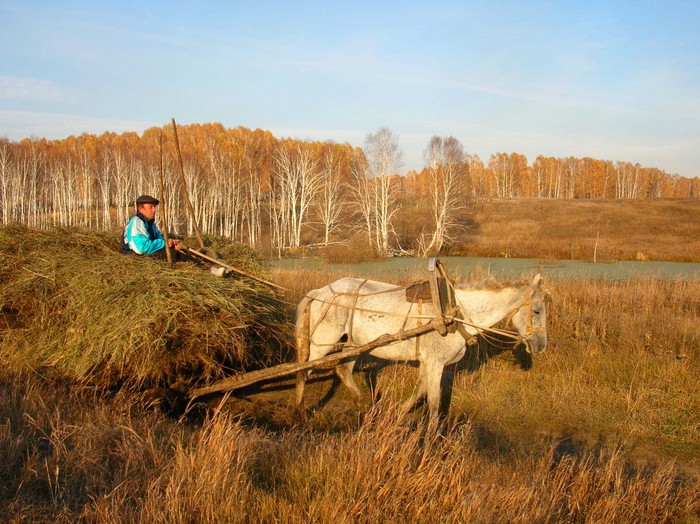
352	136
30	89
16	125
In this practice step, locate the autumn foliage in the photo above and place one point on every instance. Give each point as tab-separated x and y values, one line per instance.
279	194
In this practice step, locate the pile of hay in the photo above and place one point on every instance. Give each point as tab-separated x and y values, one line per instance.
71	305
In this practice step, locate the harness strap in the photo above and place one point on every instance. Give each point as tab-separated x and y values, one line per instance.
408	312
469	339
420	312
443	321
328	303
530	328
355	296
438	294
326	307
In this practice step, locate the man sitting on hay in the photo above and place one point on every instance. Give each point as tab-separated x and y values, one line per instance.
141	236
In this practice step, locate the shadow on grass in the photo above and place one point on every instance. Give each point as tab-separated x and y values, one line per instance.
330	407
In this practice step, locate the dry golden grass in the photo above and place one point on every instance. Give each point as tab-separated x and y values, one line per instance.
604	427
68	457
620	371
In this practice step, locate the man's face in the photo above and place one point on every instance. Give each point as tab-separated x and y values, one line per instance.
148	210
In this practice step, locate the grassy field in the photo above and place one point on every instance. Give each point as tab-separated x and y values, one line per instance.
604	426
609	230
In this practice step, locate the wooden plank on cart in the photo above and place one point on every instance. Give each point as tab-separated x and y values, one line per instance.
247	379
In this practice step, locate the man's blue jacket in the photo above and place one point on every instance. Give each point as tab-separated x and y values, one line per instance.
141	237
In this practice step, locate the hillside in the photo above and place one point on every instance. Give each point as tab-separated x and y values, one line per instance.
610	230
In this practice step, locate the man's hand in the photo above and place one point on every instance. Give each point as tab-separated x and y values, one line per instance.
174	243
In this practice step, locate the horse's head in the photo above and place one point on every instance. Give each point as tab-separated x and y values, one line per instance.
530	319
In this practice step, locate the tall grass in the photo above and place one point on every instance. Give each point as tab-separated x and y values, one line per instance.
603	427
620	372
102	461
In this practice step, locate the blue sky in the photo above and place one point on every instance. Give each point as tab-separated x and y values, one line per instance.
614	80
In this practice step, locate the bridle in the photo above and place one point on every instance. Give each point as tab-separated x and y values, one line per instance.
530	328
486	332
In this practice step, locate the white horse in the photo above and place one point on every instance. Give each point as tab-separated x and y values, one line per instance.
355	311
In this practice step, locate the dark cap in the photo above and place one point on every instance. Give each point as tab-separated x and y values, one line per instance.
146	199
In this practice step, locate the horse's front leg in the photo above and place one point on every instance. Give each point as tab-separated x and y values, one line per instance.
418	392
433	380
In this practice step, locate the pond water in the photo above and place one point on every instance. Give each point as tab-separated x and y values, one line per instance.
504	268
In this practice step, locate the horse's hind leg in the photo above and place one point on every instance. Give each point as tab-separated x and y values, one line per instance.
303	345
344	372
302	376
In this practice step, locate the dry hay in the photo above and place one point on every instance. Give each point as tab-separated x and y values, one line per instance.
72	306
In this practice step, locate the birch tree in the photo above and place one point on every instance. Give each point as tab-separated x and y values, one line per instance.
361	192
252	203
4	182
125	191
253	158
510	174
87	178
297	181
478	181
330	196
539	174
445	161
33	166
503	174
628	178
376	189
571	176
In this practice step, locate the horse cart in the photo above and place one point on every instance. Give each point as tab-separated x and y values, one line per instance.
437	289
431	322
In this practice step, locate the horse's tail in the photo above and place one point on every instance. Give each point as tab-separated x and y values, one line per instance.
302	337
303	326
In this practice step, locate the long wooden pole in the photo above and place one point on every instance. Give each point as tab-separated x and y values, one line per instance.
224	264
197	233
196	227
246	379
163	215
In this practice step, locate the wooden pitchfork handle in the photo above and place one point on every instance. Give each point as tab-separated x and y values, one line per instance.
163	214
224	264
183	183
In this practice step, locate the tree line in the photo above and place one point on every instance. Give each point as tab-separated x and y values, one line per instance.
281	194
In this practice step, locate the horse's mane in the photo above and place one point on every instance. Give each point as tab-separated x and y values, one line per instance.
489	283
